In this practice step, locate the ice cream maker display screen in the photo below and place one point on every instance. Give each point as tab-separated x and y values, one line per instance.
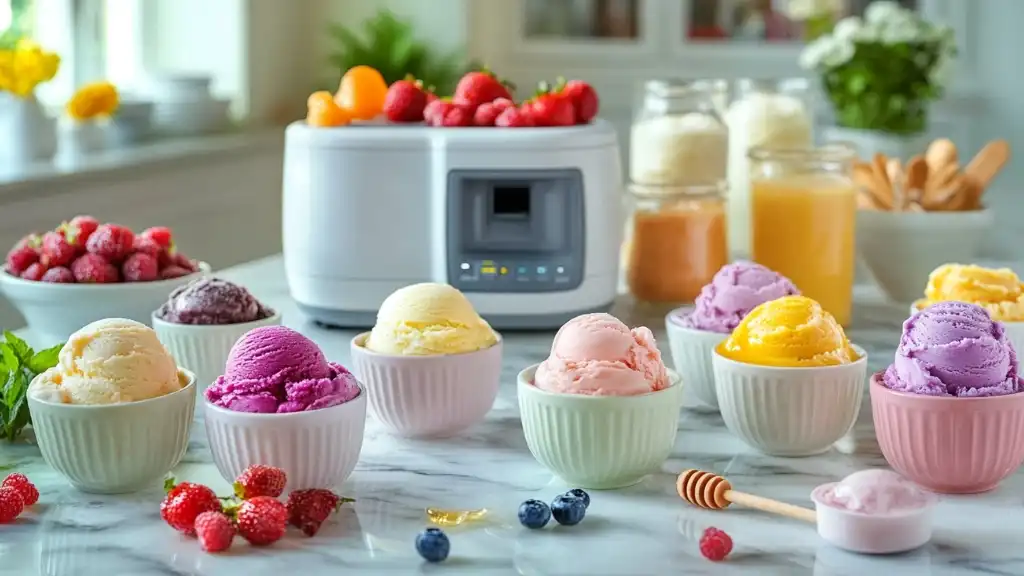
515	230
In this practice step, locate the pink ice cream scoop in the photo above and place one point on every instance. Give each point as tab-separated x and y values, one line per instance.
735	290
598	355
276	369
874	491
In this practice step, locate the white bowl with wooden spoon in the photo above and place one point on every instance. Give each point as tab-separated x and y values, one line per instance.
912	219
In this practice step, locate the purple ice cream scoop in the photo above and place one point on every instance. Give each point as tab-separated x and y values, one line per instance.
276	369
735	290
212	301
954	349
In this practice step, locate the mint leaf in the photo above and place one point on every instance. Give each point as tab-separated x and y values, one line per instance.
21	349
8	359
14	404
44	359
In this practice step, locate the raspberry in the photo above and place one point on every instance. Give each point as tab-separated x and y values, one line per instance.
147	245
79	229
21	483
94	269
140	267
259	480
159	234
173	271
20	258
112	241
715	544
262	520
11	504
184	503
56	250
34	272
215	531
308	509
59	275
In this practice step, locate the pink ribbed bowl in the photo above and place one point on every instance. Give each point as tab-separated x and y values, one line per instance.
949	445
428	396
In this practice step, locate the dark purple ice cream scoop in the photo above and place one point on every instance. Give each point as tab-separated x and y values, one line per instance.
212	301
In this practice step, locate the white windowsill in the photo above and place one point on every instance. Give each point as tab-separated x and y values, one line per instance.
127	162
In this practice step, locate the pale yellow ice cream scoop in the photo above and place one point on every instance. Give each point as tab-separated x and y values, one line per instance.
998	290
108	362
429	319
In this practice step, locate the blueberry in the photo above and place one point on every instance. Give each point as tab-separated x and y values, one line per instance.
581	494
568	510
433	545
534	514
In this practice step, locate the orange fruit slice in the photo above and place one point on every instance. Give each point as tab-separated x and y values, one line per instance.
324	112
362	92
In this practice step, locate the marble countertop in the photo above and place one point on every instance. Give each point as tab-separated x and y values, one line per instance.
645	529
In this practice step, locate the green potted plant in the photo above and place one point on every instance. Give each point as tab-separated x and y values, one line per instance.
389	44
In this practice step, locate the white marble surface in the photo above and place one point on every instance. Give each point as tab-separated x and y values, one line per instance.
641	530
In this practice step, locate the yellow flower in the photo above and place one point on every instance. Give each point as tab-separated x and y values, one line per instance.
93	100
25	67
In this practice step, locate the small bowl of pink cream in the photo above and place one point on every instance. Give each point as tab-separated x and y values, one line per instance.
874	511
602	411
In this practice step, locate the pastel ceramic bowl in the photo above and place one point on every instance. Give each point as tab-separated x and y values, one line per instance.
599	442
55	311
900	249
204	349
1014	330
428	396
889	533
691	355
946	444
789	411
315	448
115	448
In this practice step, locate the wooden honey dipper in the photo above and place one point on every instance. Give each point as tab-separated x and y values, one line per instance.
711	491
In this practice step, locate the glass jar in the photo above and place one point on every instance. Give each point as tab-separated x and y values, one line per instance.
804	219
675	241
766	114
679	137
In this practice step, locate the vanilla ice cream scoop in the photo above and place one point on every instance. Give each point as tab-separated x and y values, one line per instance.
429	319
107	362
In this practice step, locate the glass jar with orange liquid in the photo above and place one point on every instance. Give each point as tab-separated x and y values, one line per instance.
803	220
675	241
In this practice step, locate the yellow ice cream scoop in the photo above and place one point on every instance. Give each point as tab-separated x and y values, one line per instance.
997	290
793	331
429	319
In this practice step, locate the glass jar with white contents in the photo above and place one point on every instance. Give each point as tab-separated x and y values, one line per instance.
766	114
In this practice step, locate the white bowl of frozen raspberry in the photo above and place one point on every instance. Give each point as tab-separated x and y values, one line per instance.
85	271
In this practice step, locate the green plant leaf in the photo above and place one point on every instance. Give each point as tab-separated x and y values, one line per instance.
44	359
21	349
8	358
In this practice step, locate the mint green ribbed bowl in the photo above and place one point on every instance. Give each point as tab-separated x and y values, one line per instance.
599	442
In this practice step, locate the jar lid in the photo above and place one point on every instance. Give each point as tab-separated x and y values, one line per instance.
677	191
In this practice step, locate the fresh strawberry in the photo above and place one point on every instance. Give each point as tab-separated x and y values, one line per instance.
24	486
173	271
11	504
184	503
584	100
309	509
514	118
146	245
481	87
161	235
23	255
140	267
431	96
79	229
112	241
488	112
215	531
551	108
435	111
57	250
34	272
33	240
262	520
260	480
457	117
405	101
59	275
94	269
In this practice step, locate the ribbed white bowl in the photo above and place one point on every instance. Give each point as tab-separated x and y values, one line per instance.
115	448
789	411
315	448
428	396
599	442
204	349
691	356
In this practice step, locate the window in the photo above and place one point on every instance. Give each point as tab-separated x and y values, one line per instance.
582	18
15	19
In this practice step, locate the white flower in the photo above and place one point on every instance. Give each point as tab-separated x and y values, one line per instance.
901	29
827	52
848	28
881	11
942	72
801	10
839	53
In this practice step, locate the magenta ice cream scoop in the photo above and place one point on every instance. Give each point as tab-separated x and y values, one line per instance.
212	301
954	349
734	291
276	369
